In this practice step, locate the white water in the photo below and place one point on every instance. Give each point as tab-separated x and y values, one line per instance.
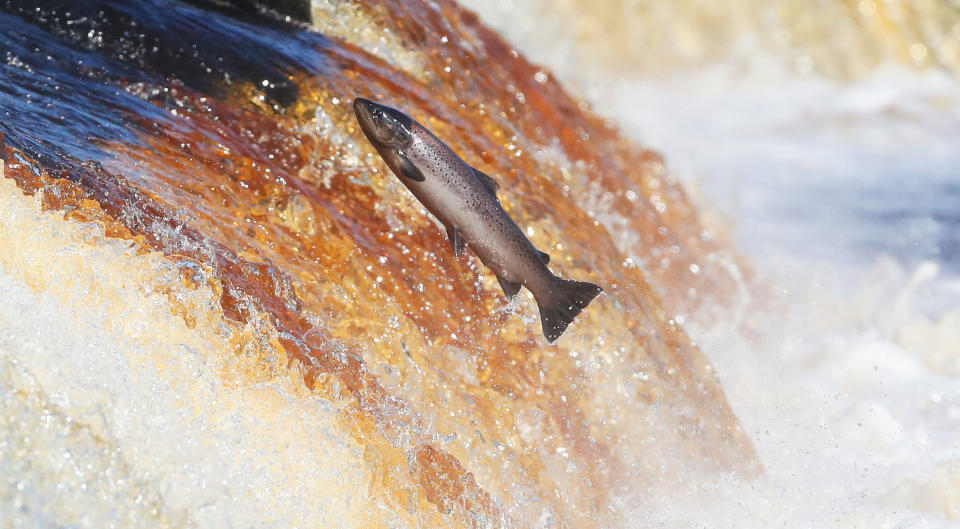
114	411
848	384
846	197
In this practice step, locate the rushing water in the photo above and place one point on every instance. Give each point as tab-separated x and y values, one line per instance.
845	193
218	311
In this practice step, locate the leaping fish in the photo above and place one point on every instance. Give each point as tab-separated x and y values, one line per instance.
465	201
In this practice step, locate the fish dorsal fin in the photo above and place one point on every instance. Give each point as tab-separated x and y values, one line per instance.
408	170
491	184
510	288
456	240
544	257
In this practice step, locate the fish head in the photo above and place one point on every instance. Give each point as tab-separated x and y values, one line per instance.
382	125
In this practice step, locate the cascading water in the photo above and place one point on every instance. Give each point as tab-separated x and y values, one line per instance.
220	309
823	135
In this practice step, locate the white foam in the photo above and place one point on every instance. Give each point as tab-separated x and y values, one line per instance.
115	413
838	192
847	391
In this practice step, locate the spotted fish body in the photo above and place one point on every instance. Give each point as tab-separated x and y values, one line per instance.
465	201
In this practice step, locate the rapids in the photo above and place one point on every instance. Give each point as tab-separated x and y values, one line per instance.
823	135
218	307
221	310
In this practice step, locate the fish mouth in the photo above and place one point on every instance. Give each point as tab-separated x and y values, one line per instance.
364	109
383	126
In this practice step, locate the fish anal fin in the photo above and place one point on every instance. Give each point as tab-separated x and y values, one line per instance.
510	288
408	170
562	305
490	183
456	240
544	257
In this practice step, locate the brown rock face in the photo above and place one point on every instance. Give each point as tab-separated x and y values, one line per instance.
230	148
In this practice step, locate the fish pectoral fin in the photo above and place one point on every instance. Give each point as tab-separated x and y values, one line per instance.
456	240
490	183
544	257
408	170
510	288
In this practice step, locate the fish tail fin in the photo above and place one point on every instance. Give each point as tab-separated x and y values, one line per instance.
562	304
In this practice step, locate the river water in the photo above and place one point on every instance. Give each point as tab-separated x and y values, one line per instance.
842	185
216	313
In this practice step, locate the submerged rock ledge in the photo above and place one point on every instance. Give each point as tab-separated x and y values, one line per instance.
222	149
